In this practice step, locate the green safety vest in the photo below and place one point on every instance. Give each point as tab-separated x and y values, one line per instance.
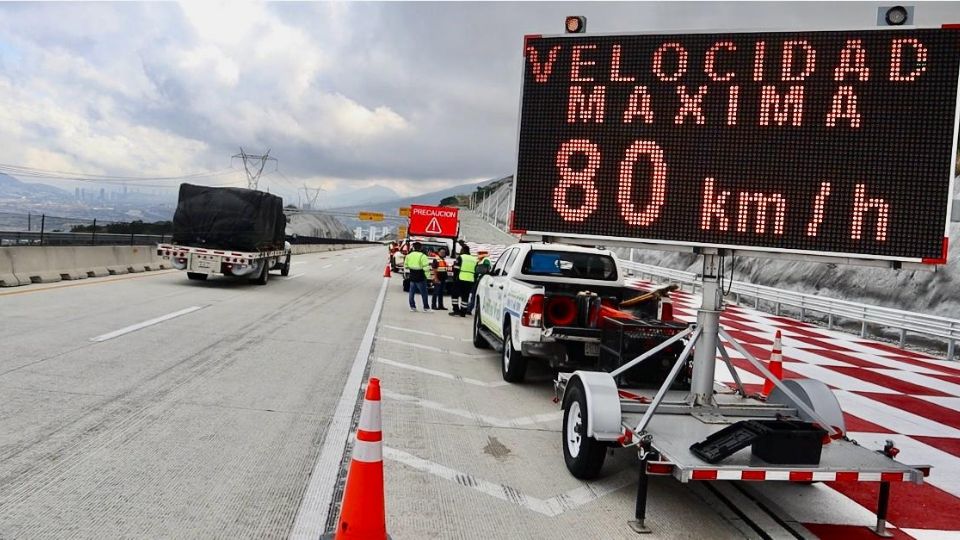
416	261
468	268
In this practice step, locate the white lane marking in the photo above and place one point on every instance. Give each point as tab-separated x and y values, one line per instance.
315	506
324	267
299	262
295	276
494	421
837	379
422	333
144	324
921	380
434	349
554	506
948	402
946	467
442	374
926	534
892	418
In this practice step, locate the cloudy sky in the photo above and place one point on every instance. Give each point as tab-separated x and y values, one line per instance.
414	96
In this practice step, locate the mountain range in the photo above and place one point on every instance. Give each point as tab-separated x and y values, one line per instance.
11	188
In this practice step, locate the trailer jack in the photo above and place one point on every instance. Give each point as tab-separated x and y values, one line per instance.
645	453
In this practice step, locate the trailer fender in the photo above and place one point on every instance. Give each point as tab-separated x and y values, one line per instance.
815	394
603	404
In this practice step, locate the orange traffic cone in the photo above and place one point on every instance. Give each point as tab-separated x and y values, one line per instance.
362	514
386	271
775	366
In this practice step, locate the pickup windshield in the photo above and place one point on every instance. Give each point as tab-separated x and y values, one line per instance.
570	265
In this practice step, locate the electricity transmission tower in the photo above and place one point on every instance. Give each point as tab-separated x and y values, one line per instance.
310	196
253	165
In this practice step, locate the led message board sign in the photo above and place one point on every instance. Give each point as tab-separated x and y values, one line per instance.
830	143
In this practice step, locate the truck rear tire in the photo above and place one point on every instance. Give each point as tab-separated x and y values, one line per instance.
479	341
264	275
582	454
513	365
285	271
197	276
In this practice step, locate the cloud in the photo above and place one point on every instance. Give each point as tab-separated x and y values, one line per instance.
412	96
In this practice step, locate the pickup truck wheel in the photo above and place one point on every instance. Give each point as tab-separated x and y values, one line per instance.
264	275
513	365
582	454
479	341
285	271
198	276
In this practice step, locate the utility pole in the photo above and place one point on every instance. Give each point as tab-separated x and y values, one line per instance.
250	165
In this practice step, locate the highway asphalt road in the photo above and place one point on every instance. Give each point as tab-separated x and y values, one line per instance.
152	406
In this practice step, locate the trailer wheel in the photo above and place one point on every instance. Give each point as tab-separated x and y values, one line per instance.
513	365
264	275
479	341
582	454
285	271
198	276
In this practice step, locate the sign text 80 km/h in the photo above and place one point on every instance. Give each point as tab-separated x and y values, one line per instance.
836	143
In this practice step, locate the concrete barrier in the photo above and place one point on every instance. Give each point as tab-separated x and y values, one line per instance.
7	277
299	249
22	265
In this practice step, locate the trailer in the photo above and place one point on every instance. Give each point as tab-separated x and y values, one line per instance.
665	426
712	175
200	263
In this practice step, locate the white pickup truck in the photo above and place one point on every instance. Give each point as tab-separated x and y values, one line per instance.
546	301
201	263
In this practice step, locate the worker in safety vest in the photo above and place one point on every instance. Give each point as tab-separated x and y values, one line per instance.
483	267
429	270
465	274
417	264
439	264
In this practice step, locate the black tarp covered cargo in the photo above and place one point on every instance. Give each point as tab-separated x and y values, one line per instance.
228	218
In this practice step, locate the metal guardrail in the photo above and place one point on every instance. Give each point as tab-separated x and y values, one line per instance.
904	321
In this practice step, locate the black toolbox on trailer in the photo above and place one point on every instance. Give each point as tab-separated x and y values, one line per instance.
622	340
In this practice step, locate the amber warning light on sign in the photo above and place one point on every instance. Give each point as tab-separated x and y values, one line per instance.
829	143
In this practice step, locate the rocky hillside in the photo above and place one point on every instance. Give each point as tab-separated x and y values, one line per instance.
320	225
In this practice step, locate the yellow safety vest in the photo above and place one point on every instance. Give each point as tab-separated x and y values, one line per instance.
468	268
416	260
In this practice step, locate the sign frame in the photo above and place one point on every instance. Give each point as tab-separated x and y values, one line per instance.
833	257
426	231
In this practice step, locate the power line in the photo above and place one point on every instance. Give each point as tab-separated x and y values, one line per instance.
32	172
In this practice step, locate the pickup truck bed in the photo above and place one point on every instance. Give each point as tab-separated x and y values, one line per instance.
567	314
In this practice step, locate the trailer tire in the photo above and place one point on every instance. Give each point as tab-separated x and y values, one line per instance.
513	365
479	341
196	276
264	275
285	271
582	454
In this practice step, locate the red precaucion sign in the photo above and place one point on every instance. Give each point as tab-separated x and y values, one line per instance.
433	220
